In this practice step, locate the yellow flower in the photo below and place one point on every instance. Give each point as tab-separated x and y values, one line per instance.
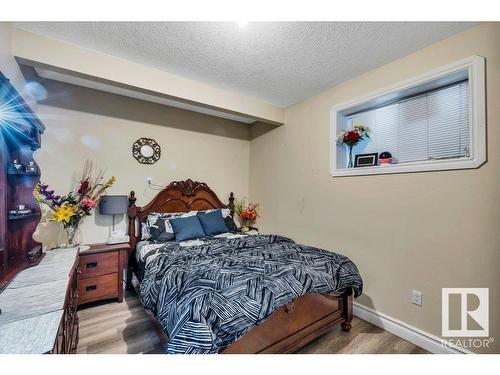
110	182
64	213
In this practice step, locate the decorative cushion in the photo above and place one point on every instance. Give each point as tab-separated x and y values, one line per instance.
187	228
157	227
212	222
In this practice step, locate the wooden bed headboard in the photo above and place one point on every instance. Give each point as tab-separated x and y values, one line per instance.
178	196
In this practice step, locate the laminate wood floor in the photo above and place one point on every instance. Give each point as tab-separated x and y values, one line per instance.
127	328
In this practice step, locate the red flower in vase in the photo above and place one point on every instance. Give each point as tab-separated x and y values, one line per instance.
248	215
84	185
352	136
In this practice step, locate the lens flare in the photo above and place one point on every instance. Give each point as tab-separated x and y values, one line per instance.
64	135
35	90
90	141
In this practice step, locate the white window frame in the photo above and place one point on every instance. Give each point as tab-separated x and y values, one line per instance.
477	122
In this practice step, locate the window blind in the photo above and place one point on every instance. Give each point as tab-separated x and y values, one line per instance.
430	126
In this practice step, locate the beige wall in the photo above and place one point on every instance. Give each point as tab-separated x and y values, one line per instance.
419	231
88	124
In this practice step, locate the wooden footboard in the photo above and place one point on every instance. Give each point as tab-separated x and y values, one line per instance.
291	326
296	324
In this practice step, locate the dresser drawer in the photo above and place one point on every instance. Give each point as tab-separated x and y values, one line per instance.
97	288
98	264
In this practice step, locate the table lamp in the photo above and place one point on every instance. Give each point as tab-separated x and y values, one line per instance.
114	205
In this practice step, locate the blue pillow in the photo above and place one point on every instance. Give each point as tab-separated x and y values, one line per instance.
213	223
187	228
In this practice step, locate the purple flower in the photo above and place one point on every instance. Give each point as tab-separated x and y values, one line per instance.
49	195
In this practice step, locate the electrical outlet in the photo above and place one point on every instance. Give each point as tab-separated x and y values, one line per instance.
417	297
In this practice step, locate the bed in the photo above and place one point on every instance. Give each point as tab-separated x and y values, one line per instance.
166	275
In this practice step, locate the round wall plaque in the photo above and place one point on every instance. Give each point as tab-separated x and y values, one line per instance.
146	151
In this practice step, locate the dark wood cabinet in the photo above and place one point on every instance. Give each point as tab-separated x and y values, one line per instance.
20	134
68	333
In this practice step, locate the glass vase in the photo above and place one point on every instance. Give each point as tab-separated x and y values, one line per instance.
350	164
246	225
71	233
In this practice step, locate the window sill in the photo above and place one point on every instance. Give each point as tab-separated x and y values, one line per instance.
428	166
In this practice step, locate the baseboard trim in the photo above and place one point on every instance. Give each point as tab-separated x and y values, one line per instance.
412	334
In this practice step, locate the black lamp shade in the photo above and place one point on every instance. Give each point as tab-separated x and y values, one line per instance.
113	205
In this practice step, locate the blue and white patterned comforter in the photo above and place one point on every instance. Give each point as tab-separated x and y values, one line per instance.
207	296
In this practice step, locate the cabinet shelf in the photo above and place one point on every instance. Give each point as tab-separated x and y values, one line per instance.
22	173
22	217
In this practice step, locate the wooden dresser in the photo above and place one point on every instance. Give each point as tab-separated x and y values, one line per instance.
39	307
100	272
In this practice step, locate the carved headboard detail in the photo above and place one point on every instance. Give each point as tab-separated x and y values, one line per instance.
188	187
178	196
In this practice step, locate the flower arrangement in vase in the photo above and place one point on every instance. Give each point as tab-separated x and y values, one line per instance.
351	138
247	213
71	209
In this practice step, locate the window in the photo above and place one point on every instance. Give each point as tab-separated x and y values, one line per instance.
435	122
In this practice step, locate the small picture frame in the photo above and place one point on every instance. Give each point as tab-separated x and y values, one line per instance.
366	160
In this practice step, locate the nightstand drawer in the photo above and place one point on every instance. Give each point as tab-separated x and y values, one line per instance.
96	288
98	264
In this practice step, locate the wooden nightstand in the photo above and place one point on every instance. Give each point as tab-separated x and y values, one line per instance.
100	272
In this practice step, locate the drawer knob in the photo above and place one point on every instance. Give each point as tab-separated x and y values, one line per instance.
91	287
92	265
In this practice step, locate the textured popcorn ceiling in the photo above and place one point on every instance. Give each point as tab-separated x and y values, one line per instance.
279	62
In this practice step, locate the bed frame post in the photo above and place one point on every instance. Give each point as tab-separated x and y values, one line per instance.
347	301
132	214
231	204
